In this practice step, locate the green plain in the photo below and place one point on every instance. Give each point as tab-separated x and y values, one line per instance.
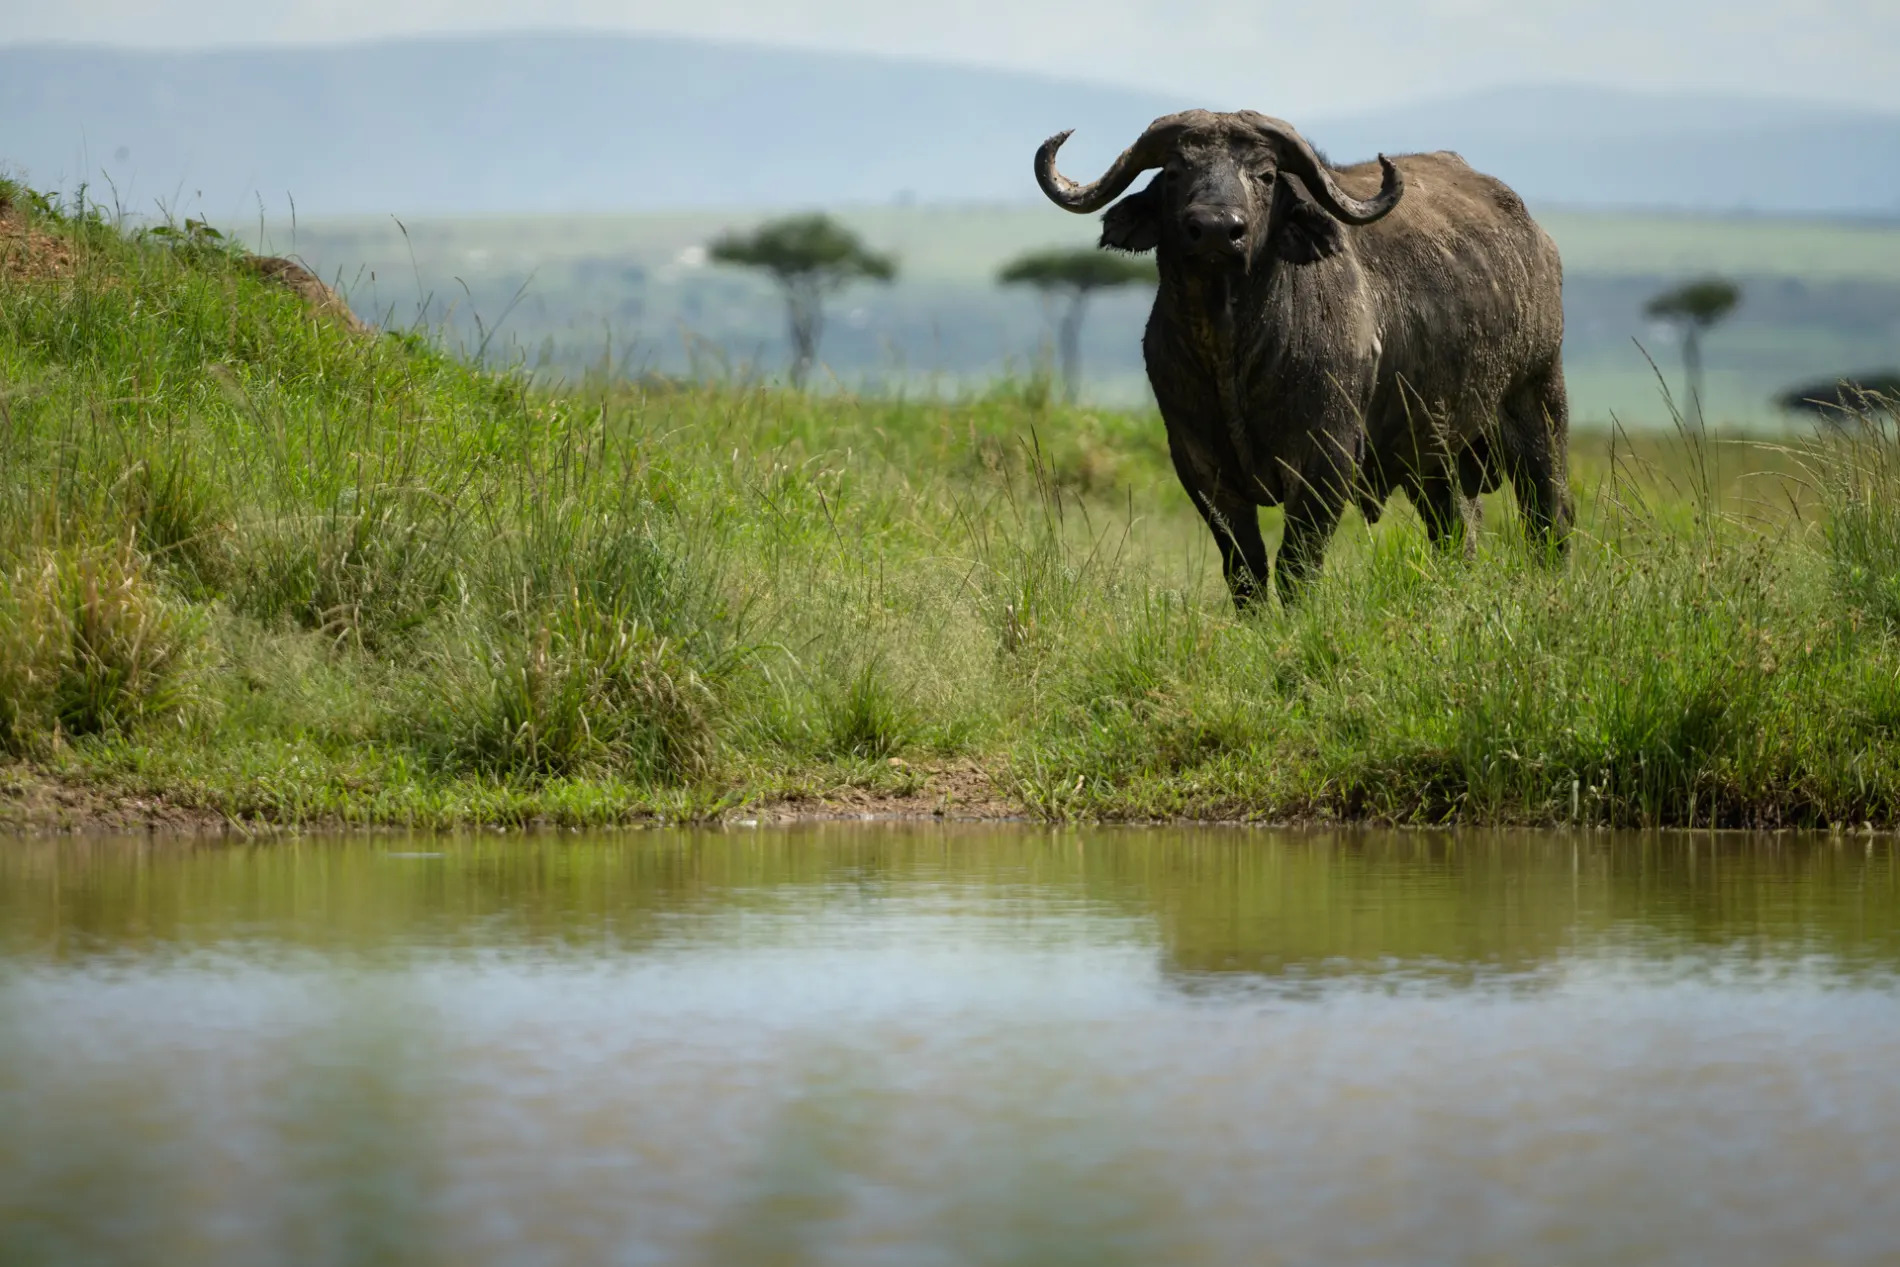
1820	299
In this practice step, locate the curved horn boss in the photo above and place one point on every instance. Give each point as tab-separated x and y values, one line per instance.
1310	349
1298	156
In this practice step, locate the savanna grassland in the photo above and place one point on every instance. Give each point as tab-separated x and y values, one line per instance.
1819	298
256	566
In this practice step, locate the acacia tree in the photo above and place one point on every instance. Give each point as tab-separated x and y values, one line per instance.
1695	308
1848	400
809	256
1073	276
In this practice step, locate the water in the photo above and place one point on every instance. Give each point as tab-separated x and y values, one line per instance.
928	1045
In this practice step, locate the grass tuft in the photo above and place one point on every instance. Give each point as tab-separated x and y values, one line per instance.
864	715
1858	471
90	647
572	692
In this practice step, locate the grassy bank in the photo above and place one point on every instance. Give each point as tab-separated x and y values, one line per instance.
252	564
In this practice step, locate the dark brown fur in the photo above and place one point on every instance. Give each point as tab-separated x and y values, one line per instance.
1325	361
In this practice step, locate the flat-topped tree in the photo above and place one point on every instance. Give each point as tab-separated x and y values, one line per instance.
809	256
1694	308
1074	275
1848	400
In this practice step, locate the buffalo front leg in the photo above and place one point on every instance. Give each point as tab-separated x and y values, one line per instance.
1311	515
1235	523
1243	551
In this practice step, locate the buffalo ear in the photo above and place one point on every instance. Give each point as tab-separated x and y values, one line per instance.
1306	234
1134	223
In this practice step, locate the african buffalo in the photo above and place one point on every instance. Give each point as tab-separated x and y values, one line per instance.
1307	346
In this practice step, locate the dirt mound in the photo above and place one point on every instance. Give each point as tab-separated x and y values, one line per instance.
28	253
293	276
25	252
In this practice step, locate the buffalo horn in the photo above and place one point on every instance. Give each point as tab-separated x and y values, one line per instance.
1148	152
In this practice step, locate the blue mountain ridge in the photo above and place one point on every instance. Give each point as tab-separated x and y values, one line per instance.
544	122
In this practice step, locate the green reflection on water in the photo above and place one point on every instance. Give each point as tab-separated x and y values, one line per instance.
1215	901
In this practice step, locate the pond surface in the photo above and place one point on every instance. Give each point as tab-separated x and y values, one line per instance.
942	1045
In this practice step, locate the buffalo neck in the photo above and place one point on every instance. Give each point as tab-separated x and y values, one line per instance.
1223	321
1225	318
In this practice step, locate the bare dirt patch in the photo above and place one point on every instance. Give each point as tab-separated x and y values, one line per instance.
35	803
38	802
956	791
27	253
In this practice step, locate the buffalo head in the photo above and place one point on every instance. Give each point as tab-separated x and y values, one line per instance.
1222	193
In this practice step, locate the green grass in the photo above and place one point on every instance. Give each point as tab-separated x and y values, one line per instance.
252	564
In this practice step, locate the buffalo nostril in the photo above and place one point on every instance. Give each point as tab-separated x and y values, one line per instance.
1217	230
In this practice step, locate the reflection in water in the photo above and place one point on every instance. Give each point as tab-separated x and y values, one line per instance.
947	1045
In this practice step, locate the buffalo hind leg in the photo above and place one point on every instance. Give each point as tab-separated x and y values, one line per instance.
1451	517
1536	440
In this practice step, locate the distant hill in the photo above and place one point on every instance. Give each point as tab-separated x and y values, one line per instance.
1594	148
527	123
537	123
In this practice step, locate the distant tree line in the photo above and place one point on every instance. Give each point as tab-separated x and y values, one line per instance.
812	257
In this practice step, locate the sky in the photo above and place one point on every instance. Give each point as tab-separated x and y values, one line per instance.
1330	58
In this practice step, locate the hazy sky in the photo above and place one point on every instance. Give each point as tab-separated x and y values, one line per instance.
1290	57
